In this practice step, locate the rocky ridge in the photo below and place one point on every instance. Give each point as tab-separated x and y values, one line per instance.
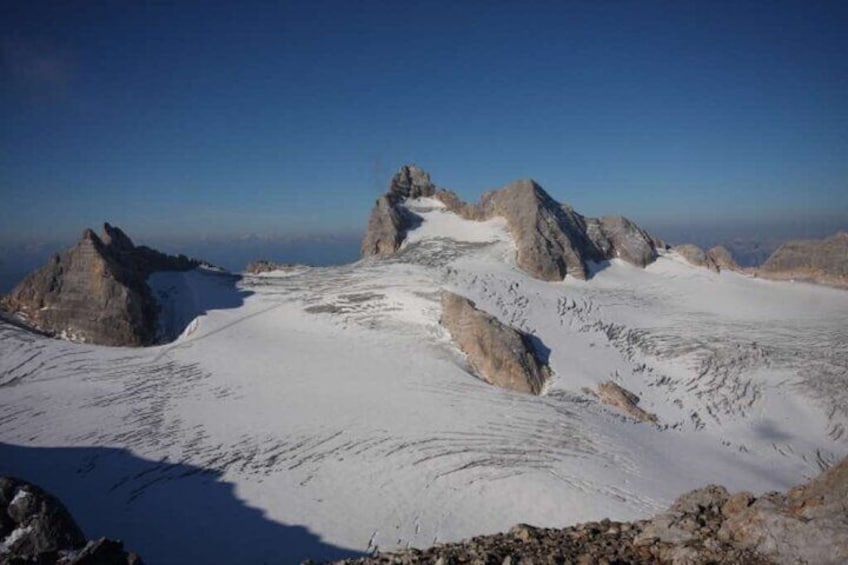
552	239
696	256
35	527
497	353
808	524
96	291
823	261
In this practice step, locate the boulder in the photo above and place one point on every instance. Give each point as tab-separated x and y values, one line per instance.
497	353
615	395
35	527
96	291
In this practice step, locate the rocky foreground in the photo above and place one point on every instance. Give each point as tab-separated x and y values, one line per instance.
36	528
807	524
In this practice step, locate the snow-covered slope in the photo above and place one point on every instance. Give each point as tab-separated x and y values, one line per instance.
326	412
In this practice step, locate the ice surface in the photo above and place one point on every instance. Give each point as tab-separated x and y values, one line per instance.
325	413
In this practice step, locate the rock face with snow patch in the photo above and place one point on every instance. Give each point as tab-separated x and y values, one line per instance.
389	220
723	258
696	256
816	260
497	353
36	528
95	291
616	236
551	239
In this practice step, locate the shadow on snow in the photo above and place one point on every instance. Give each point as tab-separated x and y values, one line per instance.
167	512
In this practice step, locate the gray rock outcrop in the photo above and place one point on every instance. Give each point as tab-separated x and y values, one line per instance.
616	236
264	266
723	259
389	220
36	528
822	261
497	353
612	394
96	291
551	239
809	524
696	256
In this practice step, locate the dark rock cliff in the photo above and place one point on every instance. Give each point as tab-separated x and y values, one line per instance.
96	291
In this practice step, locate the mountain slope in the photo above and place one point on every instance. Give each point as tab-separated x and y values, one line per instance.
331	405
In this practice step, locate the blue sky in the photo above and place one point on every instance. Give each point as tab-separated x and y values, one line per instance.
224	118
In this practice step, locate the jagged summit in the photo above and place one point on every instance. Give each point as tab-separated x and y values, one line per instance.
552	239
95	291
411	181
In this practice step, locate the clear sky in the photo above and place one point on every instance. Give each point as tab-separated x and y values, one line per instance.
184	119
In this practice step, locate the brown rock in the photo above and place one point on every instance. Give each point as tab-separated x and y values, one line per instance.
696	256
96	291
551	239
497	353
807	525
389	220
614	395
823	261
737	503
618	237
723	259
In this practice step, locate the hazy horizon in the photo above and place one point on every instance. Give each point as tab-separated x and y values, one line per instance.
750	243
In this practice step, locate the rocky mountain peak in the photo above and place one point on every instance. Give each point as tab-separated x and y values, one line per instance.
96	291
552	239
411	181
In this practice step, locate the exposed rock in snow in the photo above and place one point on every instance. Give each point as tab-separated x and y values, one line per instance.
551	239
264	266
615	395
822	261
696	256
498	354
95	292
36	528
723	258
389	220
618	237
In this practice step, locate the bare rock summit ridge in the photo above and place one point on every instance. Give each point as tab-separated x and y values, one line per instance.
552	240
96	291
